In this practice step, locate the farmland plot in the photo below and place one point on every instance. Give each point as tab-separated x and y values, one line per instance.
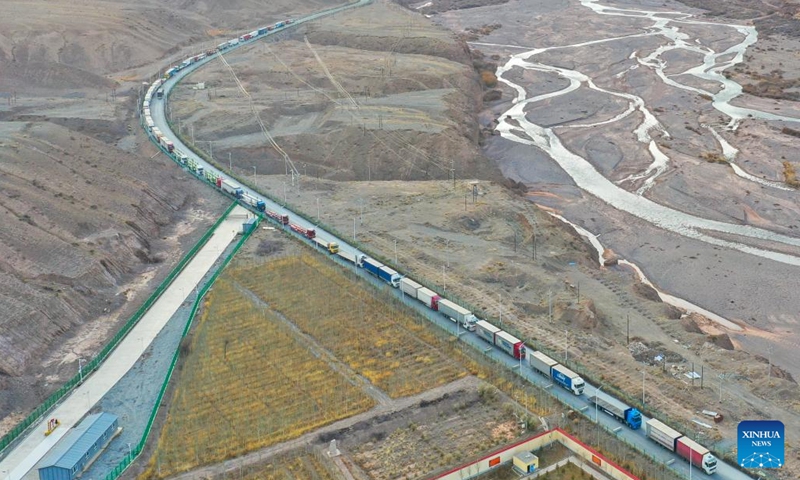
247	383
375	338
294	466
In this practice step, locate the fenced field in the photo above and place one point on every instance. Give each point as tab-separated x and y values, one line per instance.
246	383
374	337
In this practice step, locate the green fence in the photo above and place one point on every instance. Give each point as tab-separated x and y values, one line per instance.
135	451
54	398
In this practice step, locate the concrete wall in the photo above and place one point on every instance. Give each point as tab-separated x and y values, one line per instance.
506	454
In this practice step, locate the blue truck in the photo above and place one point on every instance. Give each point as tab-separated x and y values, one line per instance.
625	414
389	276
262	31
372	266
559	373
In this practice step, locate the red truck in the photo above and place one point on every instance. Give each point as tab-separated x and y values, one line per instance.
308	233
283	219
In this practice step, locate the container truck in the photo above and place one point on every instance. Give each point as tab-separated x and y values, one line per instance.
486	330
567	379
230	187
509	344
409	287
354	258
262	31
541	363
181	157
389	276
458	314
429	298
254	33
309	233
623	413
331	247
167	144
371	265
686	448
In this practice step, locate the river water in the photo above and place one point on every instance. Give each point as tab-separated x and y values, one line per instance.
515	126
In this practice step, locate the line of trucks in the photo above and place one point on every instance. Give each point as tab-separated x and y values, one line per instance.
156	90
669	438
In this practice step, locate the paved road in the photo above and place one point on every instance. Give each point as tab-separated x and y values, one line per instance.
637	437
21	459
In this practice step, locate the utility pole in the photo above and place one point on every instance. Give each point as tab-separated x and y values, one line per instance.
566	345
550	305
500	307
628	336
317	209
284	193
444	280
230	164
395	251
769	361
354	229
255	180
643	374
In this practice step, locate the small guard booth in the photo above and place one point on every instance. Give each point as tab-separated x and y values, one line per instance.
526	462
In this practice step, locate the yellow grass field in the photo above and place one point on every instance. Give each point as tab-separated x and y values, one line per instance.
246	383
295	466
375	338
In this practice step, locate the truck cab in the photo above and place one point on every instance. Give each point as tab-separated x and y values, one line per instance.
634	419
709	464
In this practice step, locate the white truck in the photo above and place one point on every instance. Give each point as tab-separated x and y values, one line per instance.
429	298
355	259
686	448
458	314
409	287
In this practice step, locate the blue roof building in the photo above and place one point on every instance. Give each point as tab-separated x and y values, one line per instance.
79	447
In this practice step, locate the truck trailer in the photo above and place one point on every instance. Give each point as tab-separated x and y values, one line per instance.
510	344
623	413
458	314
429	298
371	265
354	258
309	233
281	218
486	330
409	287
686	448
251	200
229	187
389	275
559	373
330	247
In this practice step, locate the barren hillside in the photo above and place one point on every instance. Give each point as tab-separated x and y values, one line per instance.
93	219
65	44
376	93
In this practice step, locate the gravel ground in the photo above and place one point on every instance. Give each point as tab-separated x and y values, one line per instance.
132	399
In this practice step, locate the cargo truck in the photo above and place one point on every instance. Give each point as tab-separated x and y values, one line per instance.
331	247
309	233
253	201
625	414
559	373
567	379
429	298
486	330
262	31
458	314
686	448
409	287
389	275
509	344
371	265
356	259
281	218
231	188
